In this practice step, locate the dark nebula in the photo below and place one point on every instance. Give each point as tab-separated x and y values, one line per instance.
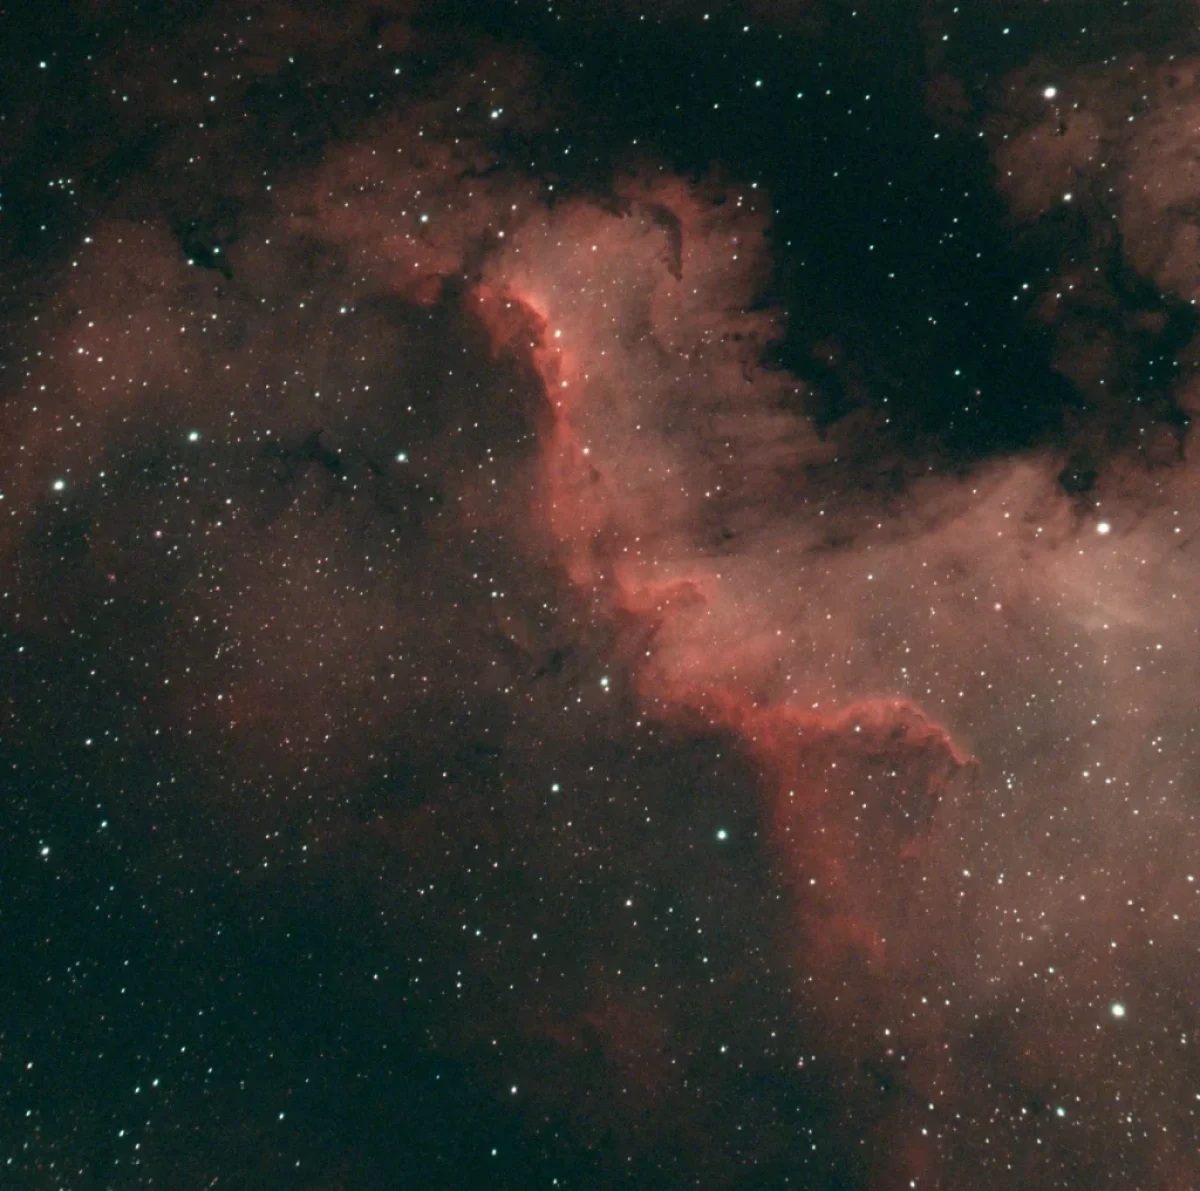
599	594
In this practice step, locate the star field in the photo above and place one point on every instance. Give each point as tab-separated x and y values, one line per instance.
599	595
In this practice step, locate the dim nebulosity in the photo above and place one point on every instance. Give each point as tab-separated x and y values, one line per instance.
600	595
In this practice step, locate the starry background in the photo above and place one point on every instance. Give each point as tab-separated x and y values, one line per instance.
599	594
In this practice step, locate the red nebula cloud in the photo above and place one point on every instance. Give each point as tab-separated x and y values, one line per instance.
686	494
666	428
578	391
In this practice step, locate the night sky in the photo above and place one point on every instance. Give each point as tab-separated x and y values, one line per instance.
599	594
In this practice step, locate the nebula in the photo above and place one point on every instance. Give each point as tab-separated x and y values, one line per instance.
701	516
525	660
